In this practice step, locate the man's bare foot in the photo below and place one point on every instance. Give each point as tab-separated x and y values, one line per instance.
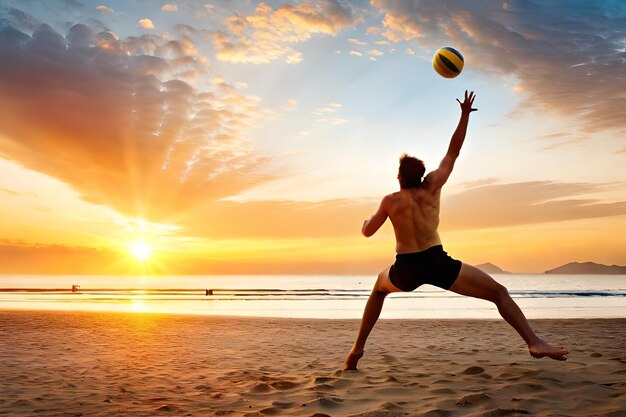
541	349
351	360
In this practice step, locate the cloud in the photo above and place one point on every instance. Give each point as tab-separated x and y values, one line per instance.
146	23
355	53
266	35
498	205
20	258
568	60
328	108
10	192
478	183
169	8
294	58
475	206
115	121
19	19
354	41
282	219
104	9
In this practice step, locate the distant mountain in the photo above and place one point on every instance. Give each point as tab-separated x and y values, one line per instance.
588	268
491	269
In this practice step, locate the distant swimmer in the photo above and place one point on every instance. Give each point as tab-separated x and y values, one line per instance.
421	259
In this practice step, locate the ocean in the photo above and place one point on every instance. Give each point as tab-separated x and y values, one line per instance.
316	296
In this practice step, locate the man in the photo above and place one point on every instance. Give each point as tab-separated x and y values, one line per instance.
420	259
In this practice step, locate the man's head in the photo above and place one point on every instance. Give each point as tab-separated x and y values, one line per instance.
411	171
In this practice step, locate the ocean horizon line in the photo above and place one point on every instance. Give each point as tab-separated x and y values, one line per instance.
327	293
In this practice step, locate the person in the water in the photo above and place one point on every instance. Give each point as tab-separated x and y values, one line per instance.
420	259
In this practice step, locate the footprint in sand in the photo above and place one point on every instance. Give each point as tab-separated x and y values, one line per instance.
283	404
445	391
284	385
270	411
526	387
614	385
473	370
381	412
498	412
168	408
513	372
21	403
388	359
442	381
325	402
260	388
324	379
390	406
437	412
474	399
381	379
323	387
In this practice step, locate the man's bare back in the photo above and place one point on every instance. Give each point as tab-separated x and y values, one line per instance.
414	213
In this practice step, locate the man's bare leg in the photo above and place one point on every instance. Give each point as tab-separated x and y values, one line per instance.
475	283
372	311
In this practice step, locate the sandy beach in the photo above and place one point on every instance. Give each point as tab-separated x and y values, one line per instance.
104	364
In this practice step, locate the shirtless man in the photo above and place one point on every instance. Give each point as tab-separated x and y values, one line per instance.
420	259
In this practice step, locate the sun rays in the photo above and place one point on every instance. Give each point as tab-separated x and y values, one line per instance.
141	250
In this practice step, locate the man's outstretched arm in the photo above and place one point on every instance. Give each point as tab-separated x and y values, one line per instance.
372	225
438	177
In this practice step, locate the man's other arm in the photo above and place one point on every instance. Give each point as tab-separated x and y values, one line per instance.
372	225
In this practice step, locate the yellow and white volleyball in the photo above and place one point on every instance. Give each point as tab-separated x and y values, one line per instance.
448	62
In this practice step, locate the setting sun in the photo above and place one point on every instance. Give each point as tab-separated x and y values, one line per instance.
141	251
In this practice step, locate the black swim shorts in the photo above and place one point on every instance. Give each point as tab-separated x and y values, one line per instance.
431	266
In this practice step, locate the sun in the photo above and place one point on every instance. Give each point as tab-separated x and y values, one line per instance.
141	251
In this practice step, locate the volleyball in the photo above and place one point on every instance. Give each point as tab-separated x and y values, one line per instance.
448	62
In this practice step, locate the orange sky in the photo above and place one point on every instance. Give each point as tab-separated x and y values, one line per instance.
256	138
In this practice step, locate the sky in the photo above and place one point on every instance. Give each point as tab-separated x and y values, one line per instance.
246	137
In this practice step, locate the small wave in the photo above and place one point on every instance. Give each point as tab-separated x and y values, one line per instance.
280	294
567	293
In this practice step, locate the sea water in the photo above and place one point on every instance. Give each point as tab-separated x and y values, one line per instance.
302	296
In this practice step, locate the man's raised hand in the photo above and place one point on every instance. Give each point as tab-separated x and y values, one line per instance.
466	106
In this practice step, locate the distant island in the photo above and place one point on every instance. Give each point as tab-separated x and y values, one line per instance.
490	268
588	268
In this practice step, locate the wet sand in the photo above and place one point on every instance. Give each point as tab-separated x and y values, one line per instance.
104	364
